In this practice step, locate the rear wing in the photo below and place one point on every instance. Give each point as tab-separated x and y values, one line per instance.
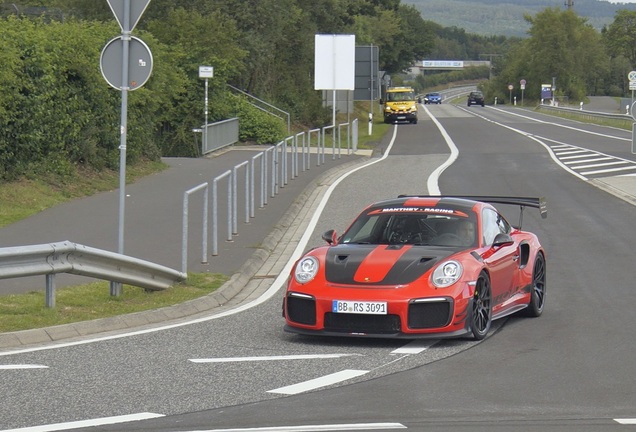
522	202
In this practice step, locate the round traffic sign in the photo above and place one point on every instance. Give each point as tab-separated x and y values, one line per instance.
632	76
139	63
510	87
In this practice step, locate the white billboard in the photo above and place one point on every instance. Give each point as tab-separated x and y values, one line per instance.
334	62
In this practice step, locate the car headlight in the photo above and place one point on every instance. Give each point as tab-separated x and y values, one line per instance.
306	269
447	274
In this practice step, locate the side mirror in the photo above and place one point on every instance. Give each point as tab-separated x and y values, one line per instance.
330	237
503	239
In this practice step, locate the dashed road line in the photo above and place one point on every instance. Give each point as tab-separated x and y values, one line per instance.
317	383
87	423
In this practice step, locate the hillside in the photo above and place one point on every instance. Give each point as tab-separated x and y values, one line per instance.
505	17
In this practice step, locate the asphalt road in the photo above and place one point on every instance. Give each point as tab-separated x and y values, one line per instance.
569	370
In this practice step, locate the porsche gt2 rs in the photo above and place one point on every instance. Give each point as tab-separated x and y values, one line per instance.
420	267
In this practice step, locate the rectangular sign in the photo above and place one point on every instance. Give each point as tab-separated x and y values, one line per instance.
367	82
206	72
334	67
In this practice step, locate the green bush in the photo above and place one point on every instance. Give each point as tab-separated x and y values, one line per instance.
258	126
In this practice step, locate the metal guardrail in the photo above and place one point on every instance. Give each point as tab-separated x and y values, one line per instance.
590	115
67	257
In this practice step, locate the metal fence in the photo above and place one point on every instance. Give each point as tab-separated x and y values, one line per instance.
261	177
220	134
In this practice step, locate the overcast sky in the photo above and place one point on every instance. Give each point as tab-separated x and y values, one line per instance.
622	1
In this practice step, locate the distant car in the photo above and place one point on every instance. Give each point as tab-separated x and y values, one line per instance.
476	98
433	98
419	267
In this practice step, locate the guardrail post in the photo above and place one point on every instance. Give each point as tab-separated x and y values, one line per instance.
50	291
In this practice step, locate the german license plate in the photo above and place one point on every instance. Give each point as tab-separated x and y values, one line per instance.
359	307
401	117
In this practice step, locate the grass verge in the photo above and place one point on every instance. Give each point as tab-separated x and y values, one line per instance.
92	301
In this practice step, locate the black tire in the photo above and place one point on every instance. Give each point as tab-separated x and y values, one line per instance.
481	316
537	297
468	103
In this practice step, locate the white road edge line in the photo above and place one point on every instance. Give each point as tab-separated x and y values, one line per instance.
323	381
317	428
87	423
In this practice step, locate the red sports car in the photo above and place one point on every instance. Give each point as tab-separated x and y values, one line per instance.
419	267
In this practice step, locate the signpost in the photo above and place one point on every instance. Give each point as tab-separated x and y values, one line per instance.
205	72
522	83
116	56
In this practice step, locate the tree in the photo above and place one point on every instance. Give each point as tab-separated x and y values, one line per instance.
561	45
620	36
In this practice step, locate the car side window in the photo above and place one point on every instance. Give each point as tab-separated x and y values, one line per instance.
492	224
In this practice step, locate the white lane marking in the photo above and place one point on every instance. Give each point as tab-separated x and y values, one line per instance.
87	423
432	183
561	125
596	165
415	347
612	170
278	283
317	428
322	381
627	421
570	152
270	358
22	366
579	161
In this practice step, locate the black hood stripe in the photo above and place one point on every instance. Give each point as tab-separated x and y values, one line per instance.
343	261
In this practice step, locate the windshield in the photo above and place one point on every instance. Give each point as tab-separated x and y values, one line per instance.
400	96
414	229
